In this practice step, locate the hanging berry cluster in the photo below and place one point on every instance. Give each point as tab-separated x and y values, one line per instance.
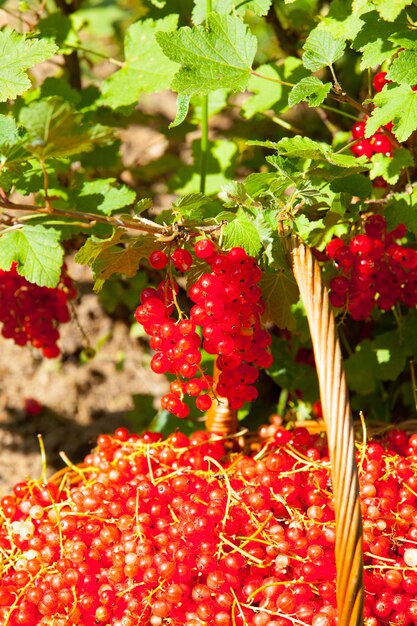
31	314
374	270
379	142
179	532
227	312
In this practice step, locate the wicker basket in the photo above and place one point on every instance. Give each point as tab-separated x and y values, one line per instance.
340	433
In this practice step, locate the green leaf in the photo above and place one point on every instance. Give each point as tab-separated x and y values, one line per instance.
267	93
18	54
390	168
306	148
94	246
221	159
195	207
342	20
364	360
399	105
389	10
37	252
111	256
117	260
280	291
373	40
321	49
216	103
259	7
391	353
104	196
9	135
311	89
183	104
403	69
402	209
55	129
143	205
146	68
242	232
199	13
291	375
219	56
59	27
354	184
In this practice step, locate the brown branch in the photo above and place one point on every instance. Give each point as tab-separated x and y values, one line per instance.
140	224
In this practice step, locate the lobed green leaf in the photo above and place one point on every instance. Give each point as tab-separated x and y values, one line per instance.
311	89
322	49
396	104
18	54
146	69
219	56
37	252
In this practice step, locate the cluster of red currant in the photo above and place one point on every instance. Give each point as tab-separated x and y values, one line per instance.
375	270
31	314
179	532
378	142
227	312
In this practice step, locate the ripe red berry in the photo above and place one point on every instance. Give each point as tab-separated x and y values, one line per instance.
203	402
204	248
158	259
31	314
363	147
181	259
33	406
381	143
380	81
358	130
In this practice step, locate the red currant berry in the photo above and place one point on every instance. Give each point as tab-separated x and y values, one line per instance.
358	130
363	147
181	259
158	260
204	249
380	81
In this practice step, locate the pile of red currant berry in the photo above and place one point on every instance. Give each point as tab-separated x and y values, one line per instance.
225	321
375	270
182	532
31	314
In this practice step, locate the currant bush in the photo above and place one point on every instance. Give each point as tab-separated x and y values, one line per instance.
31	314
225	321
181	531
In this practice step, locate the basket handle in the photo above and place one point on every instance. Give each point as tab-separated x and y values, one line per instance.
339	425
